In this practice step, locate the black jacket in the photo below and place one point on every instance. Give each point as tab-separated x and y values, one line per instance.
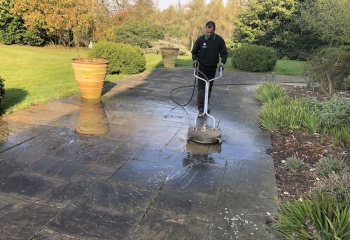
207	50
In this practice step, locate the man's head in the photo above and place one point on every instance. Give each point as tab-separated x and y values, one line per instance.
210	28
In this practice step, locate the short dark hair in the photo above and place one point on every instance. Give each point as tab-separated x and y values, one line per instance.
210	24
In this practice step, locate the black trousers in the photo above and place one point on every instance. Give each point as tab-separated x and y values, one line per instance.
205	73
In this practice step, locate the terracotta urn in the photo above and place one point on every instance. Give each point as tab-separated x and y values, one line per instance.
90	74
169	56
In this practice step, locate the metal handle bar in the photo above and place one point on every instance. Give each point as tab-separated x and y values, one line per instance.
206	99
220	75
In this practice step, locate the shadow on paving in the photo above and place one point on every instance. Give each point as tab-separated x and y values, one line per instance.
121	167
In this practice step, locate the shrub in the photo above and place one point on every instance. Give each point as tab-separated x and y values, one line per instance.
2	89
337	185
330	67
254	58
328	165
123	58
231	46
320	217
334	112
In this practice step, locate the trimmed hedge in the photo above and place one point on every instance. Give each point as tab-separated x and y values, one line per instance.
2	89
254	58
123	58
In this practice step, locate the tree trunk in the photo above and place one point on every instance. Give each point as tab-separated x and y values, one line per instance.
330	86
321	85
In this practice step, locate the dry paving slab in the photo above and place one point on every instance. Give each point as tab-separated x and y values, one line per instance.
121	167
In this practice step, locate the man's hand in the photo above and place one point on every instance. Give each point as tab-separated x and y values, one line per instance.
195	63
222	66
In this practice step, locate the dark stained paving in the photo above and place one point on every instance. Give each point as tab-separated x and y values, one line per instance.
121	167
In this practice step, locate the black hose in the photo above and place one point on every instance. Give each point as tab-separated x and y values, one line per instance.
194	87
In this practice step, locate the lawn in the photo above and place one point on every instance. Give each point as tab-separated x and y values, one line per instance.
41	74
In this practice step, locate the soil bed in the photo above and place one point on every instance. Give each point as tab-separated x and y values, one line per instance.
293	183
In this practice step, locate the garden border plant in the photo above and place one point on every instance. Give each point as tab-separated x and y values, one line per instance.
325	213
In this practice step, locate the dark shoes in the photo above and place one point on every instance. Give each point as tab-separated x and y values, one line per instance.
200	112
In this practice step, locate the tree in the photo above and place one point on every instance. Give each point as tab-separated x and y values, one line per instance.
67	22
263	19
195	19
142	10
330	67
328	19
12	29
273	23
230	16
221	16
139	33
168	17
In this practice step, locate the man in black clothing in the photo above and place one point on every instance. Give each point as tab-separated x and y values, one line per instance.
206	52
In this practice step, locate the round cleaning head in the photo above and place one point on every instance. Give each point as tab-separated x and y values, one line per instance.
204	136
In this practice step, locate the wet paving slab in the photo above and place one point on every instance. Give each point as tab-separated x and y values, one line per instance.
121	168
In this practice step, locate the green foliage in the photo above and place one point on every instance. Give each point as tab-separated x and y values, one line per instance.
286	112
2	89
320	217
139	33
269	91
12	29
274	23
254	58
292	114
327	19
279	110
341	136
312	122
231	46
337	185
330	67
173	31
268	119
68	22
294	162
330	117
123	58
334	113
328	165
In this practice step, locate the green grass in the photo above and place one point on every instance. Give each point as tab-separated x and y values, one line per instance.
35	75
289	67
